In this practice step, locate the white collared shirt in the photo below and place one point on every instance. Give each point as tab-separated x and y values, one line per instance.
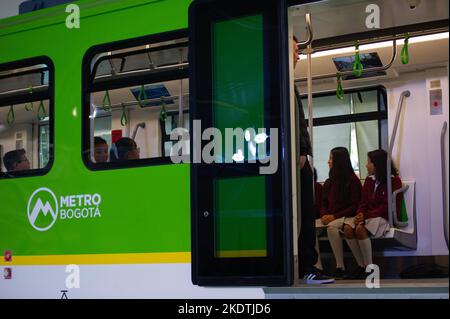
377	183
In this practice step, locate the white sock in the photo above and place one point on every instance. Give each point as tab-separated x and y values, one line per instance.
336	245
366	250
354	247
318	265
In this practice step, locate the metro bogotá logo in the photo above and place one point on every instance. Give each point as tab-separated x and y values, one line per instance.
44	208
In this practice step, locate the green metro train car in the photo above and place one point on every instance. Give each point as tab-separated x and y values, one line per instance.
160	220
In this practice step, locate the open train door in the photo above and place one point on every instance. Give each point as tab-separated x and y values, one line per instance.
241	211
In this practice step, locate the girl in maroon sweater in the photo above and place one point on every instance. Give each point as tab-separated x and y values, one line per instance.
372	214
340	198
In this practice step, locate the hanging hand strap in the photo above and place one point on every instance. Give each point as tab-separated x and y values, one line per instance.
357	65
11	117
106	102
405	50
339	90
124	118
29	107
142	96
163	113
42	113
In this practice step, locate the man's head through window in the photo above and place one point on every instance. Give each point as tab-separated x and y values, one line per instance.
126	149
16	161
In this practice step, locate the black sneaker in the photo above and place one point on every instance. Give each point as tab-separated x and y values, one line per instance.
357	274
316	278
339	273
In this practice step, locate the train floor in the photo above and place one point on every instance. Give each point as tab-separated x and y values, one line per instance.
357	289
395	267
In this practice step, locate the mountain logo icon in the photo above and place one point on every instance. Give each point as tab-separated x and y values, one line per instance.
42	209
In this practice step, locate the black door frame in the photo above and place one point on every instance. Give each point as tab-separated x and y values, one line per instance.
241	271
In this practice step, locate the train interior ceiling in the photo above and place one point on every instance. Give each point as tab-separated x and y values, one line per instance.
147	112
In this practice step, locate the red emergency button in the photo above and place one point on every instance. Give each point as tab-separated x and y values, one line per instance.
8	256
436	103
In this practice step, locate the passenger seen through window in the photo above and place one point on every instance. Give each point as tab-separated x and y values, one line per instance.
100	150
124	149
16	161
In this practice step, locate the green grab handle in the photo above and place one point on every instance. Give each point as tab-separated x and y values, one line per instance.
339	90
29	107
405	50
357	65
142	96
11	117
106	101
42	114
124	118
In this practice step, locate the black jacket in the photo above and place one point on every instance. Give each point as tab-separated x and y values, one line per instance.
305	142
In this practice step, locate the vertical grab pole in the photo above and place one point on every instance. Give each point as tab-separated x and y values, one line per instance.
444	184
309	51
391	200
310	110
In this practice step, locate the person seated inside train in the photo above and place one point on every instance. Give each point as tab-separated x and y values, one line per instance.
100	150
340	198
371	220
124	149
16	161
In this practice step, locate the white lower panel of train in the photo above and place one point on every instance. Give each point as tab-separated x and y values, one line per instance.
159	281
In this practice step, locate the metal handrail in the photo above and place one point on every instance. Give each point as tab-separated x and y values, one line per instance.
154	100
394	203
404	95
364	71
147	50
149	69
310	32
140	125
401	36
308	52
25	90
444	186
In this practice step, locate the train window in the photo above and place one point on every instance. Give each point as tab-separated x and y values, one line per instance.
354	103
26	117
135	93
357	122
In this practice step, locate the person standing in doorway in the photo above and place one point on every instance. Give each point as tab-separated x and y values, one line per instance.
307	239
